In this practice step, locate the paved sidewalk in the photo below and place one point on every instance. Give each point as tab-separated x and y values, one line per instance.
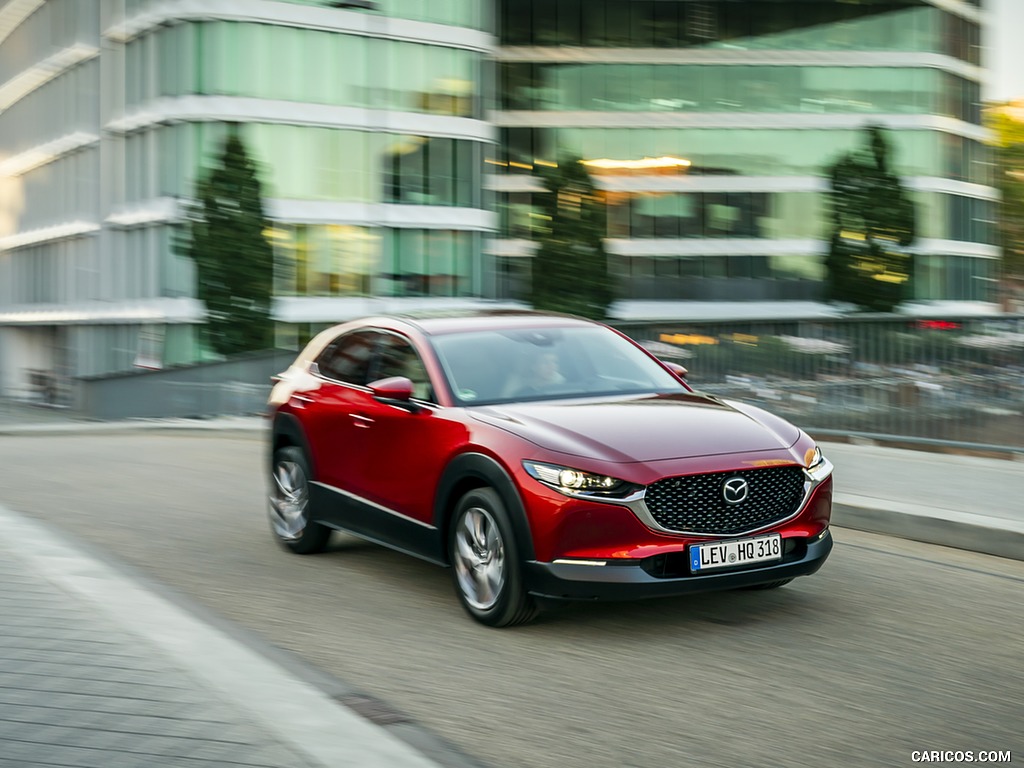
96	671
966	502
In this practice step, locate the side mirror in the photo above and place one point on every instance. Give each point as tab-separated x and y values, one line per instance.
396	390
677	369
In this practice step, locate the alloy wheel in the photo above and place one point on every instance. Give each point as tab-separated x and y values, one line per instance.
479	558
289	499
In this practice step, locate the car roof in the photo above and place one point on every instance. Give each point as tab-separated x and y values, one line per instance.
440	322
435	323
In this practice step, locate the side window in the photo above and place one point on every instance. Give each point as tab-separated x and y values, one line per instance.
396	357
347	358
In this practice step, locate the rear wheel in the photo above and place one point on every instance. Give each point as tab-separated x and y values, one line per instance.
289	504
486	567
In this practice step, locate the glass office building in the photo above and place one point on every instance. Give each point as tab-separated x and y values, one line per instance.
397	146
710	125
367	126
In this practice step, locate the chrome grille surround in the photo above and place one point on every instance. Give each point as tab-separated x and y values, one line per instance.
636	502
694	504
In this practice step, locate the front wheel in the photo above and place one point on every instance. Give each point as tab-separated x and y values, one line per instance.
289	504
486	567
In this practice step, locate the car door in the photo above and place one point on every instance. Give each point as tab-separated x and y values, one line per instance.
332	423
406	449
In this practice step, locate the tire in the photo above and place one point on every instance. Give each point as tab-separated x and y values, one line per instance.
486	568
290	504
770	585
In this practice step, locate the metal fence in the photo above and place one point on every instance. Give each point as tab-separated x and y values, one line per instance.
957	380
237	387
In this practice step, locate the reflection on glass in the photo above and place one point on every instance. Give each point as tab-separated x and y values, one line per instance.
640	215
427	263
647	166
714	278
303	163
267	61
739	24
324	260
734	88
745	152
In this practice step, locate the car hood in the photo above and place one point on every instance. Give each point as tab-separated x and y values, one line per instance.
640	429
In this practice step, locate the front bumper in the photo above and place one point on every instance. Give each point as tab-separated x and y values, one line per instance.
629	581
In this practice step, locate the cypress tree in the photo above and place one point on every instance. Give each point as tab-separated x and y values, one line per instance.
223	235
570	270
873	224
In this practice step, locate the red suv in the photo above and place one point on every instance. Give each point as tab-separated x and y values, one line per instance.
539	456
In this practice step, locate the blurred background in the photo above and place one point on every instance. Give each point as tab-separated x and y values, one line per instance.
393	157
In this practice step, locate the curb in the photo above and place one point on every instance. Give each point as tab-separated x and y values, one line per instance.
924	445
995	536
246	427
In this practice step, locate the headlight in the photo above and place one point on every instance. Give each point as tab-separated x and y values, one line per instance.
814	458
574	482
818	467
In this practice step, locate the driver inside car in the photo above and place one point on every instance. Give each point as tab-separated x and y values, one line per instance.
540	372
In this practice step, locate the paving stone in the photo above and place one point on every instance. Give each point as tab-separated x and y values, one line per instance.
77	691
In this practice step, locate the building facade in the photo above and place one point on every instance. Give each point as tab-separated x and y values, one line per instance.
367	126
397	145
710	127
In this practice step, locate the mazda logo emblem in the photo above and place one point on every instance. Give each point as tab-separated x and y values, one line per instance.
735	490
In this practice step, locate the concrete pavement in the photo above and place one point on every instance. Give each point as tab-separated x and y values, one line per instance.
967	502
100	669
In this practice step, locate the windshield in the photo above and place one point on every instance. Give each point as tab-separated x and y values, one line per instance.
485	367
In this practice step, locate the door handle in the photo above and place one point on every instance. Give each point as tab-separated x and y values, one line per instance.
362	421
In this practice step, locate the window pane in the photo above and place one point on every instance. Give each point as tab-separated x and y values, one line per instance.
325	175
315	66
346	78
348	358
168	42
229	64
354	166
439	263
463	262
441	163
396	357
467	173
410	263
569	21
354	253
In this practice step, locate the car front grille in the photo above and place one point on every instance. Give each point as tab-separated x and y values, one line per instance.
696	503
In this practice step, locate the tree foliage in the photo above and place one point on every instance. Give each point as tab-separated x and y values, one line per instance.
1007	125
570	270
223	235
873	224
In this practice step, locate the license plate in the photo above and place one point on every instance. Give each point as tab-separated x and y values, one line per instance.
731	554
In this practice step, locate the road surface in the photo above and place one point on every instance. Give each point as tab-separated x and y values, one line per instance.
893	647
